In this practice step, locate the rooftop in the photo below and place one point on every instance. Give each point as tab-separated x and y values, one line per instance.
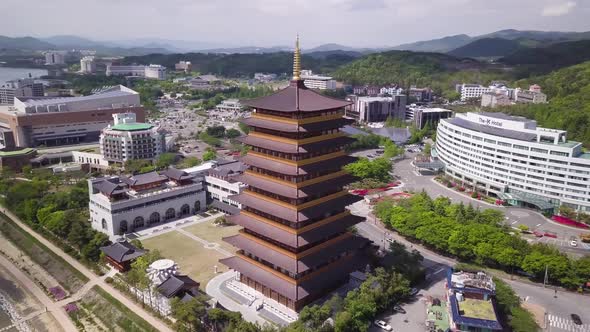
16	152
503	116
478	309
122	251
132	126
296	98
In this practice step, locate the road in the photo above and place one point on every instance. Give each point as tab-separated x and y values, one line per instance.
57	311
558	309
156	323
514	216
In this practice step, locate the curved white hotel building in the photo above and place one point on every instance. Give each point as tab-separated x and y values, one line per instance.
513	159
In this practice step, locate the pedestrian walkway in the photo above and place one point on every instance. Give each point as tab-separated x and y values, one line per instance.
566	324
137	309
171	226
19	325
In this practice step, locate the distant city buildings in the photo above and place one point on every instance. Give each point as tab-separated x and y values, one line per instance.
318	82
501	95
32	122
366	90
472	91
87	65
152	71
55	58
420	94
229	105
493	99
185	66
202	82
119	205
128	140
378	109
391	90
21	88
262	77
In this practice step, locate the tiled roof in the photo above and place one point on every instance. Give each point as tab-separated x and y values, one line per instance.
144	178
296	97
122	251
292	127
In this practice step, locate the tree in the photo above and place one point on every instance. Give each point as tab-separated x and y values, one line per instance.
165	160
91	251
216	131
136	165
232	133
244	128
209	154
364	168
190	162
427	149
188	314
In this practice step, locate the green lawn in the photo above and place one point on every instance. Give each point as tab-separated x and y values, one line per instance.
211	233
479	309
193	259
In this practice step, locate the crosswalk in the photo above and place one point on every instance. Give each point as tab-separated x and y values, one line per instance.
566	324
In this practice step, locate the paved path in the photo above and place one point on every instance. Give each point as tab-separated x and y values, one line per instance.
138	310
565	304
208	245
57	311
514	215
172	226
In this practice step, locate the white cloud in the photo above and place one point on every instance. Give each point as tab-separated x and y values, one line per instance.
558	9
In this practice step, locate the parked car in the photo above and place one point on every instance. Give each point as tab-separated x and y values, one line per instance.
538	234
573	241
399	309
383	325
414	291
577	320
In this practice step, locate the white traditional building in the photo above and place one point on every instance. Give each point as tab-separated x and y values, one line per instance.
229	105
120	205
223	181
127	139
319	82
513	159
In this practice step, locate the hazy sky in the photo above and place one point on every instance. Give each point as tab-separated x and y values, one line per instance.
275	22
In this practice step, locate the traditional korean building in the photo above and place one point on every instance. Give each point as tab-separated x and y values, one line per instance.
296	245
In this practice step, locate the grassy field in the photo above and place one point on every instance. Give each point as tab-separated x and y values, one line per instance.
208	231
68	277
190	255
112	313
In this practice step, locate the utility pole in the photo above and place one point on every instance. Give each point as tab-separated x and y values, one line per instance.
546	279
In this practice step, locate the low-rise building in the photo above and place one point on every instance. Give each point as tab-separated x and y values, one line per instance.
185	66
431	116
152	71
420	94
472	303
167	283
15	160
55	58
223	181
120	254
472	91
366	90
493	99
263	77
318	82
119	205
391	90
229	105
527	96
87	65
67	120
21	88
378	109
128	139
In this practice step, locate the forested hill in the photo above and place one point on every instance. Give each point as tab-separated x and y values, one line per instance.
545	59
439	71
568	90
245	65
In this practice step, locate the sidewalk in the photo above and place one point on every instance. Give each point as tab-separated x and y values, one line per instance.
138	310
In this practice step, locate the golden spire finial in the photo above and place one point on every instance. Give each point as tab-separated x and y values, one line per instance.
297	61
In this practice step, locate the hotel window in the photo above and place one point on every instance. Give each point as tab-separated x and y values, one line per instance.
539	150
521	147
489	141
504	144
559	153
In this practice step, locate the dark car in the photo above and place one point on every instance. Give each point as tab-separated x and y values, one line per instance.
399	309
576	319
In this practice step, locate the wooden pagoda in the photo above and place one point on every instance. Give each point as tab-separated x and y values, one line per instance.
295	246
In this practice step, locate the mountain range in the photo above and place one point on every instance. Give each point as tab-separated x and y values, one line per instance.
493	45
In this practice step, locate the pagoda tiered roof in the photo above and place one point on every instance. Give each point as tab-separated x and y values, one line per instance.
290	214
294	127
266	143
289	236
290	169
296	98
294	192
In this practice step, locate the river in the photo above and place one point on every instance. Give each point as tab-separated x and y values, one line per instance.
7	73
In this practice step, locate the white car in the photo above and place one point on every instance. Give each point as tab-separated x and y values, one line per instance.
383	325
573	243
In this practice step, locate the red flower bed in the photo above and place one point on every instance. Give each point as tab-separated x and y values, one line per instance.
567	221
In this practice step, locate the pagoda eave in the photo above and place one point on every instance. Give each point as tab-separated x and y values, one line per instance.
294	127
291	169
284	190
